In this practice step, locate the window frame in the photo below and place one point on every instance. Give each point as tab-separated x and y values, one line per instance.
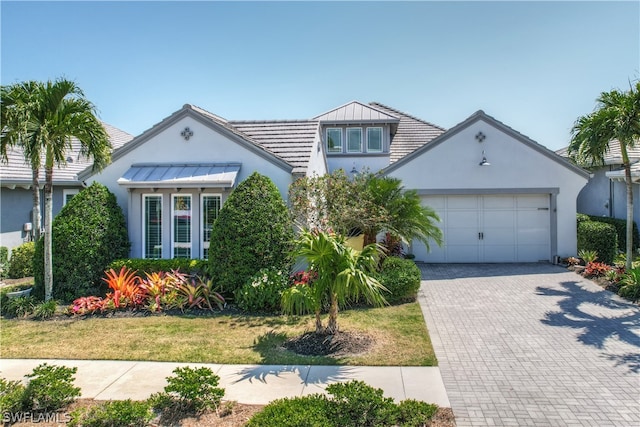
351	130
334	150
380	129
69	192
204	243
144	219
175	244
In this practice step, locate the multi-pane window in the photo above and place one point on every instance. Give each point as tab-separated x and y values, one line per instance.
181	231
374	140
354	140
152	226
210	208
334	140
67	195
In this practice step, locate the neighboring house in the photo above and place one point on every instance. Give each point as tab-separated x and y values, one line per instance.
606	193
16	196
502	197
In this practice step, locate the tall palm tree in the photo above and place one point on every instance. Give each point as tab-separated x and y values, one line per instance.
14	106
616	117
343	275
54	112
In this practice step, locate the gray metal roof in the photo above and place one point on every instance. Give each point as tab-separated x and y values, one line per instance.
17	172
291	140
411	134
358	112
188	175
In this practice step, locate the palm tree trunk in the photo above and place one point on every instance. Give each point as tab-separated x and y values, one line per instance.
627	176
318	323
48	219
332	326
36	220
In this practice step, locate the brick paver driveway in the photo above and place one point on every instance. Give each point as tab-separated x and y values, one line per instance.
532	344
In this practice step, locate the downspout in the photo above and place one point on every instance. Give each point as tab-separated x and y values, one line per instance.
611	194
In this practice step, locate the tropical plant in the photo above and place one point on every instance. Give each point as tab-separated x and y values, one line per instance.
344	274
253	231
87	305
596	269
630	282
126	289
42	118
161	291
615	119
20	306
588	255
45	310
88	234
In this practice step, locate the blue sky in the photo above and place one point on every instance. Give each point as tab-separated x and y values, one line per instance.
535	66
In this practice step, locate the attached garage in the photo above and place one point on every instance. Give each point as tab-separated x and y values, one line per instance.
490	228
501	197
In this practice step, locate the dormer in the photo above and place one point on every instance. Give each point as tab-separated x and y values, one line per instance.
357	136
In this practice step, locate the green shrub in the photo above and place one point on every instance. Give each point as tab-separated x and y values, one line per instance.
4	261
50	388
401	277
357	404
87	235
19	307
45	310
192	390
194	267
11	396
21	261
630	285
263	292
599	237
253	231
117	413
414	413
308	411
621	228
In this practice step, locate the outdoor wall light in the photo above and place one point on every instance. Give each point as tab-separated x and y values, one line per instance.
484	161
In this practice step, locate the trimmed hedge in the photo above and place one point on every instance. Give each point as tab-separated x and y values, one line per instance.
87	235
21	261
253	231
194	267
621	228
599	237
401	277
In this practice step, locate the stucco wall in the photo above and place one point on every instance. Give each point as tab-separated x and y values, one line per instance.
453	164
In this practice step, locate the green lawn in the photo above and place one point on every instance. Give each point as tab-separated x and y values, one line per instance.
399	332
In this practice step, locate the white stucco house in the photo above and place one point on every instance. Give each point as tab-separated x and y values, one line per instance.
501	196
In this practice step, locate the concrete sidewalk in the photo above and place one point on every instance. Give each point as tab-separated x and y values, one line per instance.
252	384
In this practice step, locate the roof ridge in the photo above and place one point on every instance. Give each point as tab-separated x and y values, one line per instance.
378	104
273	121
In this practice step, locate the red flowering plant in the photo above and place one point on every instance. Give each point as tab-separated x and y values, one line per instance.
596	269
304	277
126	288
87	305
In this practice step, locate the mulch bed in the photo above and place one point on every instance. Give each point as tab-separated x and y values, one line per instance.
340	344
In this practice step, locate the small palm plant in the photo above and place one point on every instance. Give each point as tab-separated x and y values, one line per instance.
343	274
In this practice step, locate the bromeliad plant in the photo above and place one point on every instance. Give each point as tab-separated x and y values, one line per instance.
343	274
127	291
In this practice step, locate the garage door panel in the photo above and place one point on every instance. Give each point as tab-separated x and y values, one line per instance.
498	202
462	202
501	219
532	201
499	253
462	236
499	236
462	253
533	253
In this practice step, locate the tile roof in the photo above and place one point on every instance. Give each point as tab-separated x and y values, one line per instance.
17	171
613	155
291	140
411	134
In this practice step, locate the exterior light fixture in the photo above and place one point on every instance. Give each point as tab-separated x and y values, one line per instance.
354	171
484	161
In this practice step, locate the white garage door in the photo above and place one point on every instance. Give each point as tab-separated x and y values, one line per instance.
490	228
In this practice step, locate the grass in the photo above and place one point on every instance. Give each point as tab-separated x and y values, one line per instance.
399	333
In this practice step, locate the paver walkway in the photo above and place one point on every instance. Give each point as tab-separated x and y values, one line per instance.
532	344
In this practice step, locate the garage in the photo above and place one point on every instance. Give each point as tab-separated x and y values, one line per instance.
490	228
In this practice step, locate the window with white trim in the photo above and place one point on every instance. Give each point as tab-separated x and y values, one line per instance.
354	140
181	225
374	140
152	225
210	205
67	195
334	140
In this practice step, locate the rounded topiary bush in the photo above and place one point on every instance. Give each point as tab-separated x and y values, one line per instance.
253	231
88	234
401	277
21	261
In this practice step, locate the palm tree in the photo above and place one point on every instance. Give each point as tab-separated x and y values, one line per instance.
406	218
42	119
616	117
14	102
343	275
